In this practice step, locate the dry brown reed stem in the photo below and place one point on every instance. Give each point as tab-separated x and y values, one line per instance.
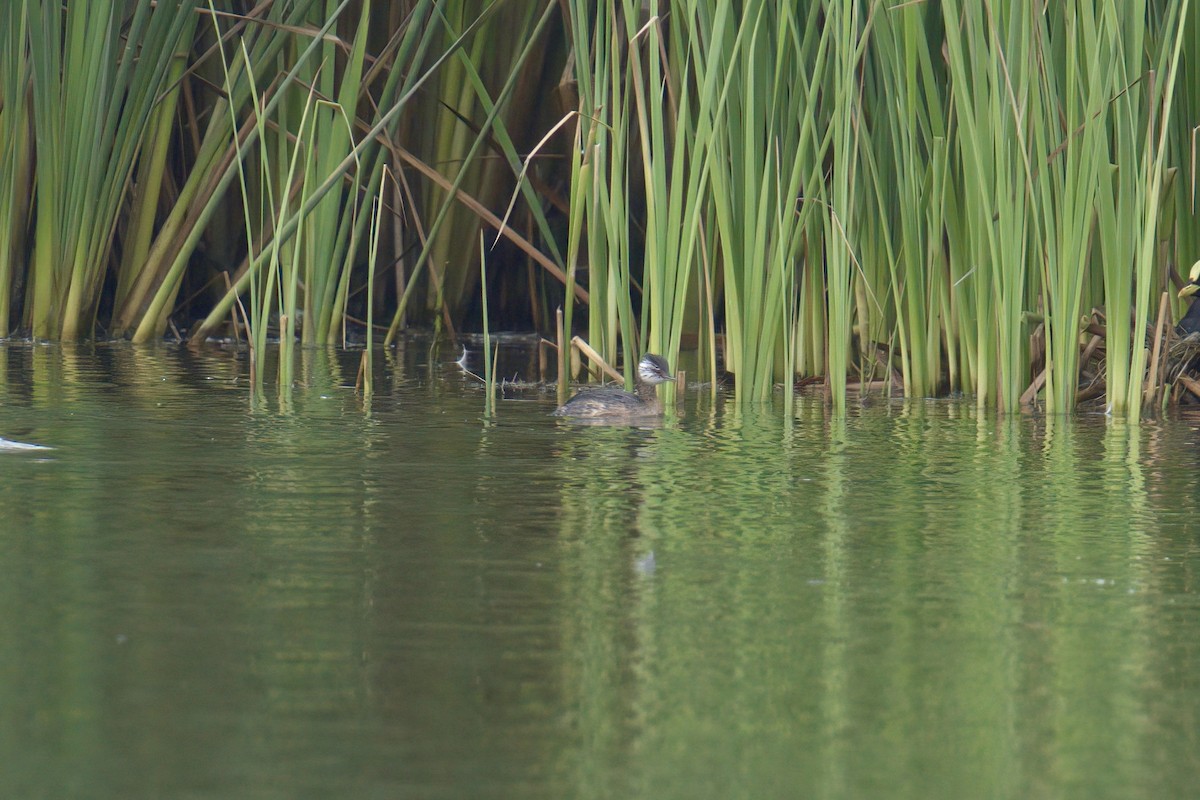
1191	384
1154	386
1090	392
596	359
1037	350
1098	386
490	219
1030	393
1091	348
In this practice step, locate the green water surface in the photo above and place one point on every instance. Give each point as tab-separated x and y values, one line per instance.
321	595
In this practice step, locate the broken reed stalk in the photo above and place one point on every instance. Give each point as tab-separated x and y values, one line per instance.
596	359
1030	394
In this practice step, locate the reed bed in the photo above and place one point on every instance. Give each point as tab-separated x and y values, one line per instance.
914	198
921	197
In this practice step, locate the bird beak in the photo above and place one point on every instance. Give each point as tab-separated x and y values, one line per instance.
1189	289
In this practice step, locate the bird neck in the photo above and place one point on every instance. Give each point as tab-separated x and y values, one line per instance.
646	392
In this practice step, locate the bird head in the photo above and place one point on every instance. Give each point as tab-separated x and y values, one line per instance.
1193	284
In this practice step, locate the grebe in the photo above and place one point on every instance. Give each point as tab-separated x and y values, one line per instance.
615	403
1191	320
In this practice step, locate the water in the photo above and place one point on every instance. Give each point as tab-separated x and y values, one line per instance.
318	596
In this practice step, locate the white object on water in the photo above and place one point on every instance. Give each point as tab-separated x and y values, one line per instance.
9	444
